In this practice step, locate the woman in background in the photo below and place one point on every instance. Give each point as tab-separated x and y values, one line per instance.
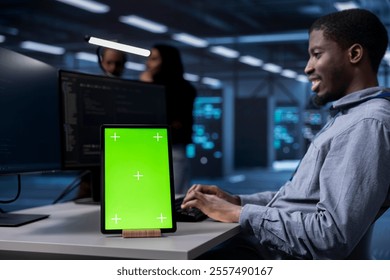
164	67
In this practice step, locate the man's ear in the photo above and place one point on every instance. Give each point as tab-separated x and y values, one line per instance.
356	53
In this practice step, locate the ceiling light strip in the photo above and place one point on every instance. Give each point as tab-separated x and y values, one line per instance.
387	57
296	36
135	66
86	56
143	23
39	47
250	60
341	6
211	82
191	77
190	40
289	73
223	51
88	5
273	68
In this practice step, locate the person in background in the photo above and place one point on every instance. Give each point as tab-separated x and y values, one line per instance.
164	67
112	62
342	183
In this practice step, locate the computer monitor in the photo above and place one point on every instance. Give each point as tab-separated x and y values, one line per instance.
29	121
89	101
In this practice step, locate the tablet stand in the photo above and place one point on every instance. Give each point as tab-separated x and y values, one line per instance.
131	233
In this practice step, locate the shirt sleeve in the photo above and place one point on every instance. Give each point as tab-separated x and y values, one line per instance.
262	198
354	183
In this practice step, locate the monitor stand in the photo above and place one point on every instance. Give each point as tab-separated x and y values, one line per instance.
18	219
92	184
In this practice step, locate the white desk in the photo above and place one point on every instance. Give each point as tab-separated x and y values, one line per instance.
73	232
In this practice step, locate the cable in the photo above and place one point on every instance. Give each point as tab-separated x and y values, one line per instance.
17	194
74	184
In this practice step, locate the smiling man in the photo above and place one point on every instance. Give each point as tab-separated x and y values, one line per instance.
342	184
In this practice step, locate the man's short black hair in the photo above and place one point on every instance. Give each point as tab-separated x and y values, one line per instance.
353	26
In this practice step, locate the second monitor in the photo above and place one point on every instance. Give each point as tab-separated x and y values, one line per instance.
89	101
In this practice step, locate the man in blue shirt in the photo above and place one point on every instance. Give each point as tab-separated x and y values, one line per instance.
342	184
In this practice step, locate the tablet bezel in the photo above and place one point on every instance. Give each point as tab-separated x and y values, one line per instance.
103	228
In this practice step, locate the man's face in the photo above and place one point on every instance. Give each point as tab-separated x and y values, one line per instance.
328	68
112	62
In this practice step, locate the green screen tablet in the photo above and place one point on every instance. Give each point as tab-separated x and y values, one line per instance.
137	179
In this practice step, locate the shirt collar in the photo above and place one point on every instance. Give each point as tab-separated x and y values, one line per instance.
357	97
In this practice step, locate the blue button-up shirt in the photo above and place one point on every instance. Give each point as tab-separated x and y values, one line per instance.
338	190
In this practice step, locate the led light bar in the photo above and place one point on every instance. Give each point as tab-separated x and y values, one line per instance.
118	46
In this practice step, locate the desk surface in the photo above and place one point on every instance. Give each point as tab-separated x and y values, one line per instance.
74	230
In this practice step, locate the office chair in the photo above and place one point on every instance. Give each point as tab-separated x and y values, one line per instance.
362	251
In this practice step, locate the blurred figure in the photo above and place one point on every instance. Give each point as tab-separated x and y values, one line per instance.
164	66
112	62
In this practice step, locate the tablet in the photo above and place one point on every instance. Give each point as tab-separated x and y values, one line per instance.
137	179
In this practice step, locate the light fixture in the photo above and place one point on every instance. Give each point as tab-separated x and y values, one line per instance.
250	60
39	47
340	6
289	73
302	79
135	66
118	46
215	83
223	51
143	23
2	38
86	56
88	5
191	77
387	57
190	40
297	36
273	68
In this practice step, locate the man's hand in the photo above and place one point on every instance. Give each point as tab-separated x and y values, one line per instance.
214	202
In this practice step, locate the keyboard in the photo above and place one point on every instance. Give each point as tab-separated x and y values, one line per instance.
188	215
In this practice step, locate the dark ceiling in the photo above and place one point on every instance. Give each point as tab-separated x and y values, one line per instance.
251	27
